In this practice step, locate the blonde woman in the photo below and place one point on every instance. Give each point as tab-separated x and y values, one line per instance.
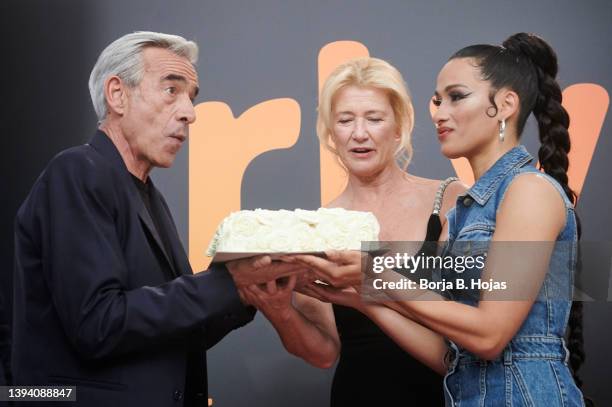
365	117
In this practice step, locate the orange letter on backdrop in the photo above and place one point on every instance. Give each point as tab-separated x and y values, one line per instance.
587	105
220	149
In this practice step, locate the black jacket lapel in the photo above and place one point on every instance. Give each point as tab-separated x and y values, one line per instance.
145	217
176	249
103	144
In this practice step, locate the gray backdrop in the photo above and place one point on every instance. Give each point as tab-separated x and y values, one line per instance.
252	51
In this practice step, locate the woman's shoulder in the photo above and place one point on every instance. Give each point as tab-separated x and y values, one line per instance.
531	199
419	186
454	188
450	189
443	191
441	187
448	184
447	189
534	186
422	181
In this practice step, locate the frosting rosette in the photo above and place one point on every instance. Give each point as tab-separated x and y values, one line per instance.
283	231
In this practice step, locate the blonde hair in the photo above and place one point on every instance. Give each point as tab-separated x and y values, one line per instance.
376	73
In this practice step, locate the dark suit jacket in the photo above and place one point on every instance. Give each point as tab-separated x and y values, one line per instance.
92	306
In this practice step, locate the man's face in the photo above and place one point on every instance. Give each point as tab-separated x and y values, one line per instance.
159	110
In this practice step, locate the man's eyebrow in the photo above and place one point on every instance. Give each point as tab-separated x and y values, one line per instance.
174	77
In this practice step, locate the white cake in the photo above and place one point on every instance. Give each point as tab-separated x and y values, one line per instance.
266	231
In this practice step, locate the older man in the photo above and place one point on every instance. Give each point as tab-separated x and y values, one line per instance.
105	299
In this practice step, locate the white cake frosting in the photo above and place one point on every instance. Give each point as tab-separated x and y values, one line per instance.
266	231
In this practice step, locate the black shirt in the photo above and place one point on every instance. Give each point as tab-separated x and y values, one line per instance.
145	192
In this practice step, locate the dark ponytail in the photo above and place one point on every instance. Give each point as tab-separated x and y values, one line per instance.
553	120
553	124
526	64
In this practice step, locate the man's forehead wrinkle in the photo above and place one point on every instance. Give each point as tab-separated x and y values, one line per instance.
170	64
179	69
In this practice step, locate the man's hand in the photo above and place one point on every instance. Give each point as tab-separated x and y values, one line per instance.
273	298
261	269
305	278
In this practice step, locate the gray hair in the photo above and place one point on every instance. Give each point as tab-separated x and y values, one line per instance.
123	57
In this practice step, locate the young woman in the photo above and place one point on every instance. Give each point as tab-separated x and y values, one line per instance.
509	352
366	113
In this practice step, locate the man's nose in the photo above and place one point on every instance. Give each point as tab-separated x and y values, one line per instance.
186	111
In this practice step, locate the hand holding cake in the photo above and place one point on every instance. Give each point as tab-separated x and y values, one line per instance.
339	268
261	269
273	299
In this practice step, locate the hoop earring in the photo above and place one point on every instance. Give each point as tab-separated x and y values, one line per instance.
502	130
491	115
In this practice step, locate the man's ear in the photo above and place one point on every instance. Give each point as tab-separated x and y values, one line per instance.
507	102
115	93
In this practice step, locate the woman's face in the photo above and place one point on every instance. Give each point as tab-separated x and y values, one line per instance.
462	100
364	129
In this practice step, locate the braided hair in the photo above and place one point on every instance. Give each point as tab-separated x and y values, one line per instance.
527	64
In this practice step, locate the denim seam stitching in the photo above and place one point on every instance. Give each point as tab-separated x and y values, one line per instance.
508	377
485	227
514	174
559	385
483	384
523	390
549	311
495	182
547	357
538	338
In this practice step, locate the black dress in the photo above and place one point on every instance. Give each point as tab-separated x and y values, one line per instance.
373	370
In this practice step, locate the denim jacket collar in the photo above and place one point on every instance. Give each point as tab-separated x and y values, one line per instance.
486	185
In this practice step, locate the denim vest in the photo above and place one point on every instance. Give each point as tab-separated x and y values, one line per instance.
532	370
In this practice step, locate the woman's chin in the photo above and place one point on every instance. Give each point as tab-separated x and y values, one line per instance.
450	152
363	170
359	172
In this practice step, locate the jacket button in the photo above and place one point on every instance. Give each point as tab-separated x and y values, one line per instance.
467	201
177	395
